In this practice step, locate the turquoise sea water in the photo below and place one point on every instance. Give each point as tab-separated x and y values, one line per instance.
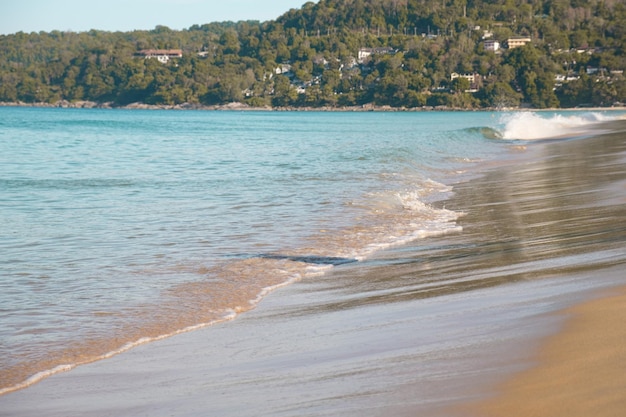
120	227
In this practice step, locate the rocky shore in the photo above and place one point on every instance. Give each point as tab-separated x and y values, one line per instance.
237	106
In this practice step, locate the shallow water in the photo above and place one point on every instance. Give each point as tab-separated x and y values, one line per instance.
123	227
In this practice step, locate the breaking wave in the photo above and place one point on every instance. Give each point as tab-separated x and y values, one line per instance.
534	126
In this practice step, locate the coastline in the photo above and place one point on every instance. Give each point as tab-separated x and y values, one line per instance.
234	106
237	106
580	371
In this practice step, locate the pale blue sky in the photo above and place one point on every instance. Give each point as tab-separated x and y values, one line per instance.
126	15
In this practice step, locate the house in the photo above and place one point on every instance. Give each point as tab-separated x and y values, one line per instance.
592	70
365	53
491	45
162	55
517	41
472	78
282	69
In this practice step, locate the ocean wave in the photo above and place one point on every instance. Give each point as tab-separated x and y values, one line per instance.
485	132
535	126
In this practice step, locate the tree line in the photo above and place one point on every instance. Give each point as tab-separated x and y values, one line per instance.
308	57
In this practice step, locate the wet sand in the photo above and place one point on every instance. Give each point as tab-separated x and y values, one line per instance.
581	371
315	350
417	330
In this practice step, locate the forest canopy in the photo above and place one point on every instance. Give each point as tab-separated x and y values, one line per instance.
337	53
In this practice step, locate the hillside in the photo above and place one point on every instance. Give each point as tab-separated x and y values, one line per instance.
335	53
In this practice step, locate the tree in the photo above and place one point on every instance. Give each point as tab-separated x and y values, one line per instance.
322	39
460	85
284	93
499	95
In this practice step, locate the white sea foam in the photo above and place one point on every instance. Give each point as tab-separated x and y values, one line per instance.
39	376
532	126
401	217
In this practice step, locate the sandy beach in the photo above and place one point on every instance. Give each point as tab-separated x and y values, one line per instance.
581	371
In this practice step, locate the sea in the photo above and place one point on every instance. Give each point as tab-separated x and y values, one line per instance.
120	228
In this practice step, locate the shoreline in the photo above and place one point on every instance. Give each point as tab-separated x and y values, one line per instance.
363	340
579	371
237	106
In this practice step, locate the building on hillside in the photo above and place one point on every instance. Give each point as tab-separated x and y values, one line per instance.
491	45
162	55
283	69
517	41
472	78
487	34
365	53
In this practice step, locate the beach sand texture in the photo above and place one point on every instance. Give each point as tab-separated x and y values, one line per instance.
581	371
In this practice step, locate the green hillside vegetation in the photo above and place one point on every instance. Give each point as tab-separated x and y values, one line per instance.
337	53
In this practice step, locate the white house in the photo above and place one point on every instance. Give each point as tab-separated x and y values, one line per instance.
365	53
162	55
470	77
491	45
283	69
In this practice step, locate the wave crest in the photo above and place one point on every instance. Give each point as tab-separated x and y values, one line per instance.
533	126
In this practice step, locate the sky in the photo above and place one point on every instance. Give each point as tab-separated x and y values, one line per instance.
127	15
